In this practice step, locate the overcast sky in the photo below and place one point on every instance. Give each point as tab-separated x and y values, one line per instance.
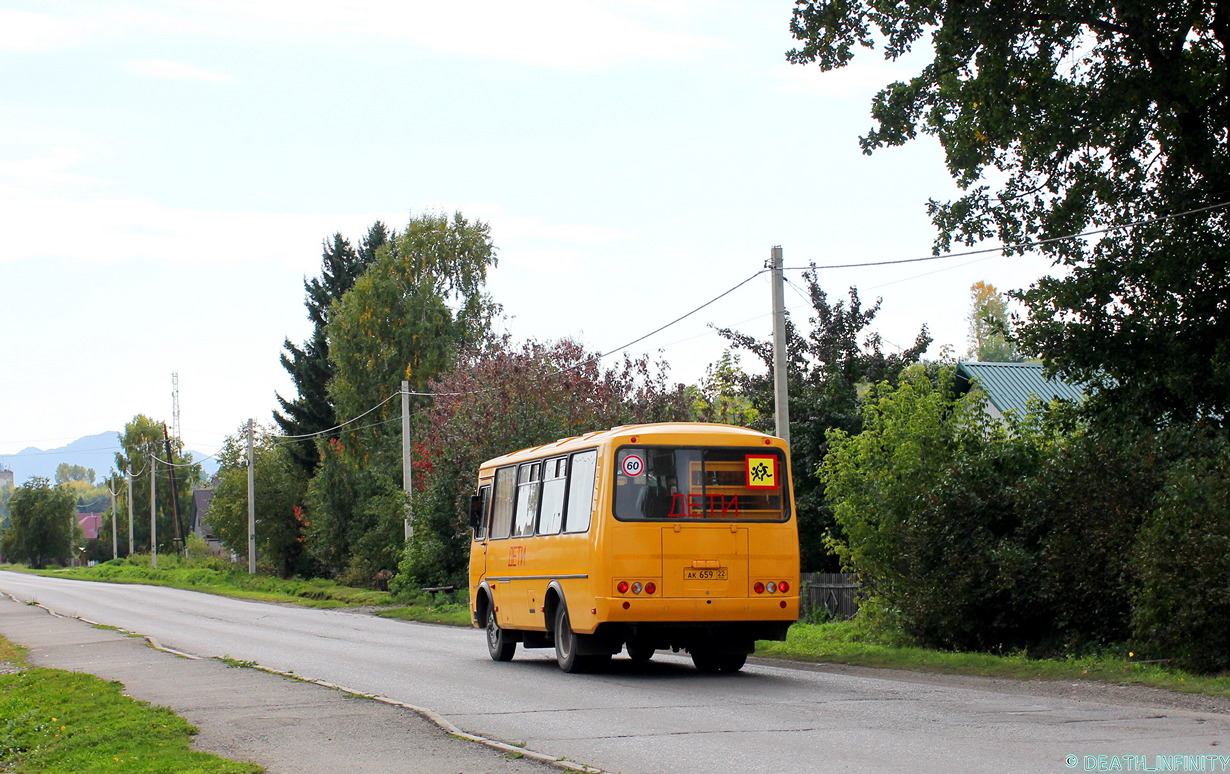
168	170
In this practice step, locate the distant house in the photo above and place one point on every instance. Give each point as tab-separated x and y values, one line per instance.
1009	386
90	524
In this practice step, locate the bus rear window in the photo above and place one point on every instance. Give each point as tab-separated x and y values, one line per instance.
667	483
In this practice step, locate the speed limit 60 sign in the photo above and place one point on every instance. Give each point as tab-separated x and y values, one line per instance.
633	465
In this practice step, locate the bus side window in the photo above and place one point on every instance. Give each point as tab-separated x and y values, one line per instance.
554	478
480	514
529	487
581	490
502	506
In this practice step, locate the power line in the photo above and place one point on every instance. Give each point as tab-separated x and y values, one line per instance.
1020	245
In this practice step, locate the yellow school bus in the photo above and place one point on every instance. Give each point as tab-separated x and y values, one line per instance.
678	536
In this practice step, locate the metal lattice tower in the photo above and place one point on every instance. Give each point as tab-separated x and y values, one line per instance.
175	405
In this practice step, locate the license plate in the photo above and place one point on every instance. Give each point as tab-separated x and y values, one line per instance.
715	573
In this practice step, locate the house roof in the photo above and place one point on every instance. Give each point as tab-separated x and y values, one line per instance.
90	524
1010	385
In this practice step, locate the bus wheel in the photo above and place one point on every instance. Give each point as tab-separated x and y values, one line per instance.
499	644
566	641
640	653
710	662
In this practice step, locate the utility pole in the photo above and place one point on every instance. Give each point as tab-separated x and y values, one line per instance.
406	471
153	518
128	476
781	392
115	551
251	501
179	538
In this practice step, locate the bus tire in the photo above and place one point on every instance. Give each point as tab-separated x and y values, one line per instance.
567	644
711	663
499	644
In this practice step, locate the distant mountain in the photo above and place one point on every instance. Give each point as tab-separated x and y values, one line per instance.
92	451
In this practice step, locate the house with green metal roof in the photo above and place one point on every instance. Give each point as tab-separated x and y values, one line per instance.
1009	386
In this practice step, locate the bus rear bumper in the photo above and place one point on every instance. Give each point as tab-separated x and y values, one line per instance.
779	610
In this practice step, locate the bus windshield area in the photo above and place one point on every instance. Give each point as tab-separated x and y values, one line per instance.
721	484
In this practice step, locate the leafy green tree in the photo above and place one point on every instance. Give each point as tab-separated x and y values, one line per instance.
827	368
503	398
309	366
1087	115
720	396
988	326
411	312
280	484
405	318
6	492
143	439
356	514
67	472
42	524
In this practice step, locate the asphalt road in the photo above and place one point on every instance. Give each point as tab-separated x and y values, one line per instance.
665	717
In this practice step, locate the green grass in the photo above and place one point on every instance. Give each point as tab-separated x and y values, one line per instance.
55	722
218	577
451	614
853	642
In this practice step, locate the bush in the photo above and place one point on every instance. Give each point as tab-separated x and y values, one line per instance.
1182	607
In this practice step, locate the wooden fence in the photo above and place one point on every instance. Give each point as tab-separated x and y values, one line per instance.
836	592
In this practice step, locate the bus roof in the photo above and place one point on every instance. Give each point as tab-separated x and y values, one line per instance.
659	432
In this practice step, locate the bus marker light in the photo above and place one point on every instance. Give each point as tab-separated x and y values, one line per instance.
758	588
622	587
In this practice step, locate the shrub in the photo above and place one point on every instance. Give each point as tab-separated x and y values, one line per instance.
1182	607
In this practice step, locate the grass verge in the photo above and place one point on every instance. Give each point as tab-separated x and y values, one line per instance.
55	722
218	577
852	642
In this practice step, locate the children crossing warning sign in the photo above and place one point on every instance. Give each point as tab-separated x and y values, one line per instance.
761	471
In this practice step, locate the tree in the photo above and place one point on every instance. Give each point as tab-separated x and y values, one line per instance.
988	326
1092	115
309	366
411	312
826	371
143	439
42	524
281	524
502	398
720	397
66	472
406	318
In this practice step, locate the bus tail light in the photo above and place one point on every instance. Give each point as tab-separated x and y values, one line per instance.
622	588
650	587
758	588
783	586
